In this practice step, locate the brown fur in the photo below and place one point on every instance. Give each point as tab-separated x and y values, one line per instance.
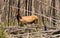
29	19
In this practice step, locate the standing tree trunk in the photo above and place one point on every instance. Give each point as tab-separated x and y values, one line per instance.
18	10
25	7
29	7
53	12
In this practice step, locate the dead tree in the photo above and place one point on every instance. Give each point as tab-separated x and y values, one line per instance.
53	12
29	7
45	28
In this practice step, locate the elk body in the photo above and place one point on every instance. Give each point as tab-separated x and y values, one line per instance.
27	19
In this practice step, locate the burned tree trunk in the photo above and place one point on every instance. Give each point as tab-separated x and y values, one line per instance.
29	7
18	11
25	7
42	12
9	11
53	12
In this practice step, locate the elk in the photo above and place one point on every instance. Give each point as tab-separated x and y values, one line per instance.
27	19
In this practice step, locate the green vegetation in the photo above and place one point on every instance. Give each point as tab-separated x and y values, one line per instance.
21	24
2	35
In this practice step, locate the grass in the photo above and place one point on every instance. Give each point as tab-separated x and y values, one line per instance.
2	35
